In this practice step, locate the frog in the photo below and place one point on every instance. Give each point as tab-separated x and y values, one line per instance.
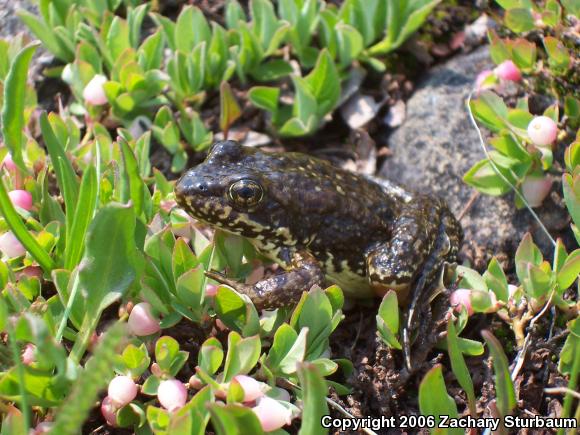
322	224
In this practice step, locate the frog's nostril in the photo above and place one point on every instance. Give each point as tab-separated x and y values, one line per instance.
201	187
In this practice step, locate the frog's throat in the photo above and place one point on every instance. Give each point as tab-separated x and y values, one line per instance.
402	290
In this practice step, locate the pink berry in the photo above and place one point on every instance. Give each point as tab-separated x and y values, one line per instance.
11	246
481	79
141	321
535	189
172	394
94	93
109	411
252	388
542	131
8	163
507	70
272	414
21	198
122	390
28	354
461	297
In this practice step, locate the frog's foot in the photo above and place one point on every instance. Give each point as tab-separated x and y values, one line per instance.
281	290
425	235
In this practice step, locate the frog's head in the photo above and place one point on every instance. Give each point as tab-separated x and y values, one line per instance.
244	191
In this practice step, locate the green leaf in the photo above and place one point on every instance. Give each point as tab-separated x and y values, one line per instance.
135	360
388	320
558	56
271	70
229	109
350	43
191	29
524	54
83	215
484	178
192	419
490	110
459	367
118	38
65	174
265	97
314	391
43	32
14	104
237	312
571	189
130	171
108	266
288	349
234	419
496	280
570	350
504	387
519	20
434	399
569	271
243	355
324	84
527	253
210	356
572	7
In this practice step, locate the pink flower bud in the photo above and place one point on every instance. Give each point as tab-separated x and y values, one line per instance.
512	290
109	411
272	414
94	92
21	198
211	290
542	131
11	246
28	356
122	390
507	70
482	82
461	297
141	321
535	189
8	163
42	427
195	382
172	394
252	388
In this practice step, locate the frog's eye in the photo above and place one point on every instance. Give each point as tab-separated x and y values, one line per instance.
246	193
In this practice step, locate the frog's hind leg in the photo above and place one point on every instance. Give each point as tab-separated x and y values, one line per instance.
280	290
398	263
425	235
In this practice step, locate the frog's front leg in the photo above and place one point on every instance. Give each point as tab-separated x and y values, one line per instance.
283	289
398	263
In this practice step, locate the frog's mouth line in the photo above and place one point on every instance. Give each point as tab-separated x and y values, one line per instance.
214	213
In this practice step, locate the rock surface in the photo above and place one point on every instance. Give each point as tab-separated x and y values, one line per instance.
436	146
11	24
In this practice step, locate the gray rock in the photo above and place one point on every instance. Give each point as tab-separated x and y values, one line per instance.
10	23
436	146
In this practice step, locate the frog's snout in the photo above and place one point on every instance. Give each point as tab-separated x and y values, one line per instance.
190	185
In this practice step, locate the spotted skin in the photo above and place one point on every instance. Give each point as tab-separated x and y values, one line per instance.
315	220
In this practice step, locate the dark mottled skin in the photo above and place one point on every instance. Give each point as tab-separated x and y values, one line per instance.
316	220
